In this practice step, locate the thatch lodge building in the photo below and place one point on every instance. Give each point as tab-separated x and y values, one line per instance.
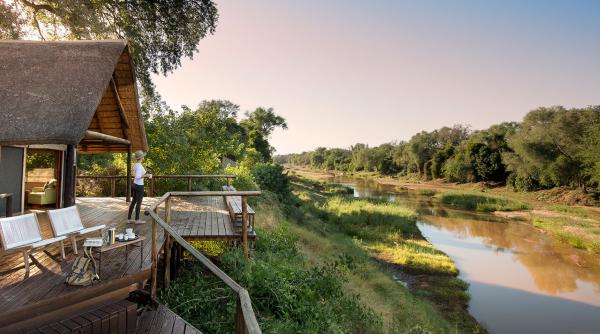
57	100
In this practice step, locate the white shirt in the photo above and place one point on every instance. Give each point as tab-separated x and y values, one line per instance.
138	173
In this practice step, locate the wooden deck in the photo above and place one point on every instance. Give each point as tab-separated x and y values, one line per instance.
163	320
44	291
204	218
48	270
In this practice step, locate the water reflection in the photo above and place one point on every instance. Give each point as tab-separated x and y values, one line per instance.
521	279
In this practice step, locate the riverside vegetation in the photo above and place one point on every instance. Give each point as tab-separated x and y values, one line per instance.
545	168
551	147
324	263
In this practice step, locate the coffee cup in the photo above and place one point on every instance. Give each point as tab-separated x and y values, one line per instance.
129	231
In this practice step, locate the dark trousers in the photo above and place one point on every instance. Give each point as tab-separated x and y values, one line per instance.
136	201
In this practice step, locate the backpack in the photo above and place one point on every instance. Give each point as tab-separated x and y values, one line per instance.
83	271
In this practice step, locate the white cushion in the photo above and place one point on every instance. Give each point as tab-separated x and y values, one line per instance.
47	242
91	229
65	221
19	231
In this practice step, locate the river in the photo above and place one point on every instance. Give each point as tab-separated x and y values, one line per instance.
521	280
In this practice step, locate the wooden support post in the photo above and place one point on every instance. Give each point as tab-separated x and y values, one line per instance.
168	210
167	266
189	184
69	191
154	255
174	258
245	226
128	183
240	324
152	187
113	182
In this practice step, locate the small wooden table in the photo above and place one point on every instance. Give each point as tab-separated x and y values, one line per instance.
139	242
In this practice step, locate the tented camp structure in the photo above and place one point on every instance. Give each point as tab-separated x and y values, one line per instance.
64	98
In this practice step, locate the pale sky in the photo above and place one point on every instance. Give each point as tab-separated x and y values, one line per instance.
349	71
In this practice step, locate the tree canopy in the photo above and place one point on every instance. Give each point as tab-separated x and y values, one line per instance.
551	147
159	33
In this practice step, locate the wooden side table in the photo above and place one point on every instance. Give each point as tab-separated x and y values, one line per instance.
139	242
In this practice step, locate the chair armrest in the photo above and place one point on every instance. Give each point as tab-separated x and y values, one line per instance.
91	229
46	242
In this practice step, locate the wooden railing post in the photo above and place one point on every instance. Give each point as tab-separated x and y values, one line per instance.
189	184
168	210
154	254
113	182
152	187
240	324
245	226
168	244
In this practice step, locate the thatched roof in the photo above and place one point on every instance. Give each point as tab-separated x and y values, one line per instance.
50	91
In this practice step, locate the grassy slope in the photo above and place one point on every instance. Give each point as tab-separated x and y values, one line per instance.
334	225
576	225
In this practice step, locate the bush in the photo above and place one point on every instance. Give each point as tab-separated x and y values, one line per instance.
270	177
287	295
244	179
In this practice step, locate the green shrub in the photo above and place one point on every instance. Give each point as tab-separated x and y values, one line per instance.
244	179
287	295
270	177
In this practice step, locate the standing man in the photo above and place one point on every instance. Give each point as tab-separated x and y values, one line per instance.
138	191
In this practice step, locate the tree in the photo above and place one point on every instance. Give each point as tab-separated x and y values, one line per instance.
317	157
591	154
159	33
547	148
259	125
421	147
195	138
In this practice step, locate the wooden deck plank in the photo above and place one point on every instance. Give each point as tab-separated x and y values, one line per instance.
163	320
48	270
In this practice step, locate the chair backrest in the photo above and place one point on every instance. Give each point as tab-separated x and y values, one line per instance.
65	221
19	231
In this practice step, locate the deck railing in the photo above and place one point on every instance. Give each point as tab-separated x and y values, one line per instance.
245	319
152	182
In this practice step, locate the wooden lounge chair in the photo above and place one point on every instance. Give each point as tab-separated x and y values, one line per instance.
67	222
22	234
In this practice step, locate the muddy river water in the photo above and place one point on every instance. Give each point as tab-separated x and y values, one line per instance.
521	280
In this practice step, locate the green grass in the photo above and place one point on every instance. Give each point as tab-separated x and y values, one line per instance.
402	311
387	233
337	189
427	192
577	234
480	202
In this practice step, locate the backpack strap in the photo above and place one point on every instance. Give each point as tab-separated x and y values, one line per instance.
88	253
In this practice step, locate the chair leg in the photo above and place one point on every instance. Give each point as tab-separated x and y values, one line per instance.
62	249
74	242
26	262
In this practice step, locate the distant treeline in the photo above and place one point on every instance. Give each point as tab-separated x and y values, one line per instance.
550	147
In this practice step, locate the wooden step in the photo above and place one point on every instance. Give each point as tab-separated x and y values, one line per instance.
163	320
59	308
115	318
